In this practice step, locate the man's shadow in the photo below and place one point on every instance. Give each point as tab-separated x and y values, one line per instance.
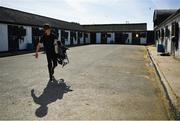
53	91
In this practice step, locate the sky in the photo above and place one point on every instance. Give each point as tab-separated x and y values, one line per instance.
95	11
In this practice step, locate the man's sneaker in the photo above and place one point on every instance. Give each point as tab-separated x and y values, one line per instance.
53	78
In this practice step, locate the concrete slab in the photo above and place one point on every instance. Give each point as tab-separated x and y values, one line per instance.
108	82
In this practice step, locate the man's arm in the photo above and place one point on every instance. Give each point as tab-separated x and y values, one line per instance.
39	45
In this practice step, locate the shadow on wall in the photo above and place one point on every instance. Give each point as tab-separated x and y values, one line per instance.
53	91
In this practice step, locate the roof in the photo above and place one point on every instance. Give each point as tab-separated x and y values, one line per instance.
116	27
12	16
161	14
171	17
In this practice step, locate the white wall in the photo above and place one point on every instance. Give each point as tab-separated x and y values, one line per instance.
59	37
129	39
3	37
143	40
98	38
67	41
158	40
168	45
27	39
111	38
164	41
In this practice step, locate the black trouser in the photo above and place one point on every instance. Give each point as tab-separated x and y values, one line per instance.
52	63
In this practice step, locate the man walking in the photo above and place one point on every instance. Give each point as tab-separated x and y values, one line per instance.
48	39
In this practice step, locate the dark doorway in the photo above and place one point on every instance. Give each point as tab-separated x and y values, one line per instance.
64	35
85	37
150	37
93	38
125	38
136	38
72	37
119	38
79	37
104	38
13	38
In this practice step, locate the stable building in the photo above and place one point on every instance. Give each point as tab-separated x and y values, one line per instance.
21	31
166	29
118	33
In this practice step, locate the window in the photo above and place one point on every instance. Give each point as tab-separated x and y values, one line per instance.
173	29
162	33
167	33
176	35
157	35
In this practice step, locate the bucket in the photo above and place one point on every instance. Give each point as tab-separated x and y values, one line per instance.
160	48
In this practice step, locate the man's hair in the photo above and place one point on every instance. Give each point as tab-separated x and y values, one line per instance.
46	26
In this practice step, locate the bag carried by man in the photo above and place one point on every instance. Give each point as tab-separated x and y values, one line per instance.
61	53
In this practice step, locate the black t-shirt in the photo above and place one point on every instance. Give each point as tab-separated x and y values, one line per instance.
48	42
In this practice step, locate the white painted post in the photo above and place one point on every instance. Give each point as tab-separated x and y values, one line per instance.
98	38
67	40
3	37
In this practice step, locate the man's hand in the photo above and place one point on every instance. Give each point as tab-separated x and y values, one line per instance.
36	55
37	49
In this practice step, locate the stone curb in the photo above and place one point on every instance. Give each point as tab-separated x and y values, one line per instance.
167	88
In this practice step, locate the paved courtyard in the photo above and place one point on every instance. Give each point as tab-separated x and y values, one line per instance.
100	82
